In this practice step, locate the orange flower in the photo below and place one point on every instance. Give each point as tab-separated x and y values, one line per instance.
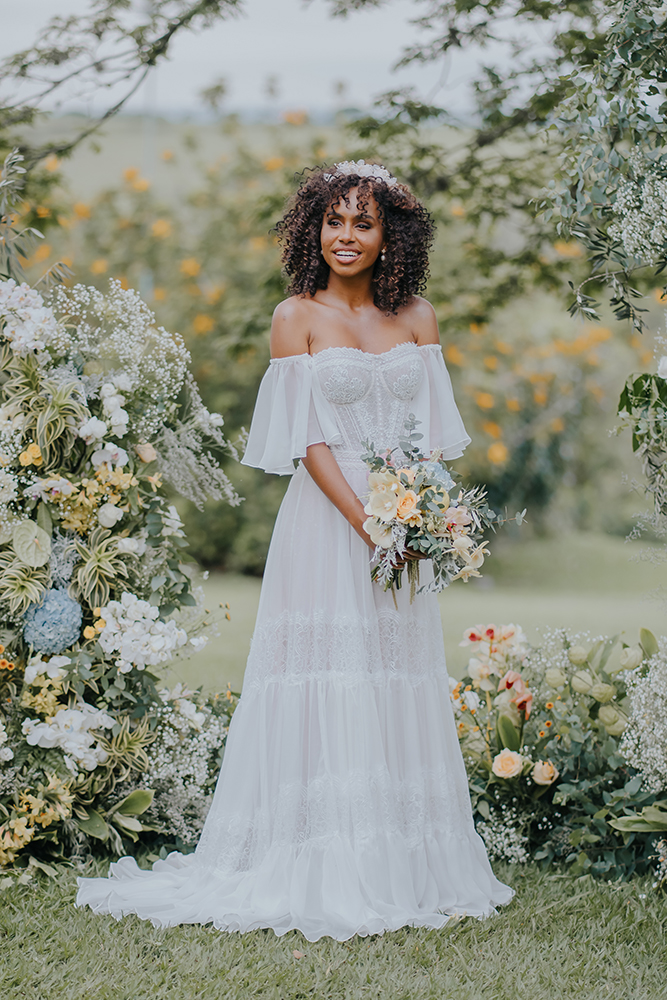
548	724
4	664
484	400
549	705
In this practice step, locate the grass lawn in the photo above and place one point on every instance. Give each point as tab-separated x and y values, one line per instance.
559	938
584	582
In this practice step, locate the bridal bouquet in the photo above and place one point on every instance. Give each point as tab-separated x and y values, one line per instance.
417	506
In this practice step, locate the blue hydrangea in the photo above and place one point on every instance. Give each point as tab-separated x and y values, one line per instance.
54	624
436	471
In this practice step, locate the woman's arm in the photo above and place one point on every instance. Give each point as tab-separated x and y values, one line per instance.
325	471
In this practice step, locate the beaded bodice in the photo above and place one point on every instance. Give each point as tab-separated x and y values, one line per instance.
371	393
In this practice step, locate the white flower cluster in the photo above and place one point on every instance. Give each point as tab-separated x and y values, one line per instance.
6	753
52	668
640	220
28	324
8	486
183	763
644	743
362	169
140	358
70	730
133	630
502	836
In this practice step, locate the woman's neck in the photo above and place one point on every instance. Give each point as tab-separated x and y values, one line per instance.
353	293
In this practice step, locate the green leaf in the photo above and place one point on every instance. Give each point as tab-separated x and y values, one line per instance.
648	642
129	823
136	803
508	734
94	825
44	519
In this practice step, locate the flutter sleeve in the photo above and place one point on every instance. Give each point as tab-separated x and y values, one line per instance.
291	413
435	408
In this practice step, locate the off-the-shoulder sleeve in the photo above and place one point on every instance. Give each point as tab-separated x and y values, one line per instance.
434	406
291	413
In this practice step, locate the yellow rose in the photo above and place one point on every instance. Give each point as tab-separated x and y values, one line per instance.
507	764
408	473
544	773
407	507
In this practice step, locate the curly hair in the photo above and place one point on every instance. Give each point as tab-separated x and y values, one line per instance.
408	235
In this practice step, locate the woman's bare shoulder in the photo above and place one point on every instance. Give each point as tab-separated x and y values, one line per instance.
422	319
290	327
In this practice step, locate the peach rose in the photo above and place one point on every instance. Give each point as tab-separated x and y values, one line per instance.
146	452
507	764
407	507
408	473
544	773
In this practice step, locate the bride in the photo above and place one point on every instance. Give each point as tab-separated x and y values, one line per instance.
342	805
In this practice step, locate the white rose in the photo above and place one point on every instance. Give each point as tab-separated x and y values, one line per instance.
108	515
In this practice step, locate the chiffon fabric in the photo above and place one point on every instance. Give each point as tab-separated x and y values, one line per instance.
342	806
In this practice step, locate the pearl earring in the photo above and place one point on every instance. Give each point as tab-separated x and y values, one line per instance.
382	257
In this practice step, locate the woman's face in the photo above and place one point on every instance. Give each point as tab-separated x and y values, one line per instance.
352	235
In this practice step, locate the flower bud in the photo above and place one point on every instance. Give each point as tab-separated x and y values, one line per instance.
631	657
577	655
608	715
602	692
582	681
555	678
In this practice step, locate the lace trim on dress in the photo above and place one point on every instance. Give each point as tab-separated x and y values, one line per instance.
349	650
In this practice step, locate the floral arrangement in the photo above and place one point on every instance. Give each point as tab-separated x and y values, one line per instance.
98	411
540	730
412	506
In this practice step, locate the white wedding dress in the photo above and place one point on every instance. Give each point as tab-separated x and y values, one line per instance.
342	806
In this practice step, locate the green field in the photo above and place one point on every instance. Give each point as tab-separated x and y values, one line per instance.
582	582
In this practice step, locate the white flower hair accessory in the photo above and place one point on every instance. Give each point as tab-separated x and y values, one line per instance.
363	169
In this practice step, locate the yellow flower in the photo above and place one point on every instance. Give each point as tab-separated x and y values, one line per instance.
155	481
161	228
89	632
81	210
497	453
484	400
190	267
31	456
202	324
99	266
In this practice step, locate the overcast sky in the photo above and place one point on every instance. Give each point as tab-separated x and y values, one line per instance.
297	42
